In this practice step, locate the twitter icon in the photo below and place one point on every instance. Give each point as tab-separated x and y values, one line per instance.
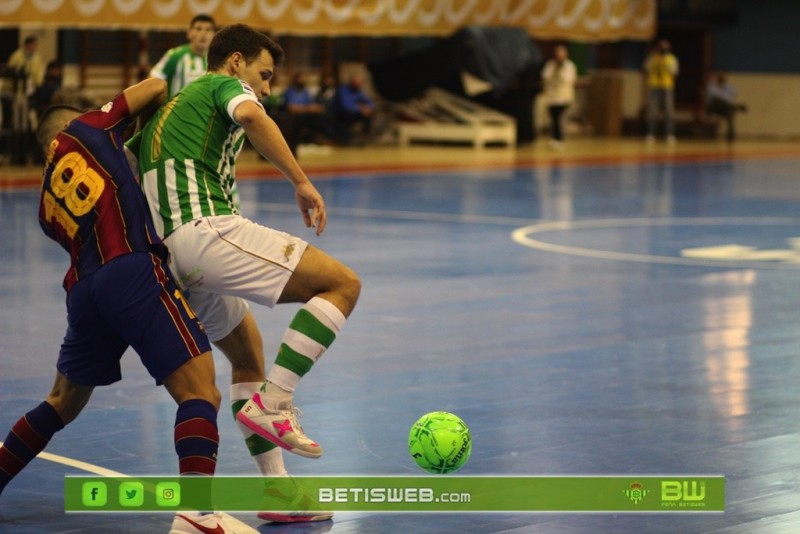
131	494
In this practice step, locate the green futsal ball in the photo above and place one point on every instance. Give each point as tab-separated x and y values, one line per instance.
440	442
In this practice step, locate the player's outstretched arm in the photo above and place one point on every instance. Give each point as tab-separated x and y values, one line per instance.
268	140
143	94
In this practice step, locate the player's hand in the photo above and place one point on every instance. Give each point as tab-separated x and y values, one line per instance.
312	207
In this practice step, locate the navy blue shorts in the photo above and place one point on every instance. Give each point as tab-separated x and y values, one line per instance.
131	301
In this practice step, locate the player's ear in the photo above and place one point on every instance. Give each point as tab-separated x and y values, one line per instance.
236	61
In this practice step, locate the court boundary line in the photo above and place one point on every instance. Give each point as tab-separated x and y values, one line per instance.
78	464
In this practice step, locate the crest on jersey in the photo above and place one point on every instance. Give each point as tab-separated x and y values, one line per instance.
107	107
246	88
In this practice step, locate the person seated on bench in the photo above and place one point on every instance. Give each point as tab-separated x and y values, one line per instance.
353	109
721	101
304	109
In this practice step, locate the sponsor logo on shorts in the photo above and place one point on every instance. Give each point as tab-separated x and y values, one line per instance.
288	250
193	278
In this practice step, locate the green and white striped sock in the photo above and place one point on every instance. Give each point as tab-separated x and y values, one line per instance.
311	332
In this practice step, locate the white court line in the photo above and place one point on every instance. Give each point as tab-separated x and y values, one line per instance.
424	216
522	237
91	468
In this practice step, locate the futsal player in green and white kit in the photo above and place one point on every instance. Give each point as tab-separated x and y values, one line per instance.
187	166
183	64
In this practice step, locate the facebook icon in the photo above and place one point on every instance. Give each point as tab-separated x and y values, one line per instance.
94	494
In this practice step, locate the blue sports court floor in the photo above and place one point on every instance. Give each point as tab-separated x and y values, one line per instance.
638	317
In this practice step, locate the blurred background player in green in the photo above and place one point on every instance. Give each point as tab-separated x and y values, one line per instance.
183	64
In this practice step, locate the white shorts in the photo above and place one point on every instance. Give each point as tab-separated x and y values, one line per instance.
224	260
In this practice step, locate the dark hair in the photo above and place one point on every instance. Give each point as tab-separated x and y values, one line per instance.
51	122
245	40
30	39
202	17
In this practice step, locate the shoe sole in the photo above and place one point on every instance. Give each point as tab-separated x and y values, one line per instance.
276	517
277	441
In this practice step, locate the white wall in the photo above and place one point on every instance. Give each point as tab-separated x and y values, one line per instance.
773	102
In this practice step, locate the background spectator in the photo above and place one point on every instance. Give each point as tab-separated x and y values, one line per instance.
24	73
25	67
43	97
721	101
559	75
661	68
304	110
354	110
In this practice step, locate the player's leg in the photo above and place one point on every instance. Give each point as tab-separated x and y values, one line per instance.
243	347
245	338
232	328
67	398
196	436
199	257
88	357
227	259
31	433
153	316
221	261
177	353
330	291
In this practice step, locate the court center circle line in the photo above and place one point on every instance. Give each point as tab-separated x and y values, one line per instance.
522	237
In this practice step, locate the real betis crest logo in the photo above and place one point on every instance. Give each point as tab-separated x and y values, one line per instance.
635	492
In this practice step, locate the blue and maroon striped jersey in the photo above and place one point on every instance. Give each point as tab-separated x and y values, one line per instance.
91	203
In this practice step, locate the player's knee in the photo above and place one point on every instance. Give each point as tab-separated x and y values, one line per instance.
350	285
67	408
68	399
214	397
206	392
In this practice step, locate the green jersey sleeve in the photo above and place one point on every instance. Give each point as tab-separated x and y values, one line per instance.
166	66
232	92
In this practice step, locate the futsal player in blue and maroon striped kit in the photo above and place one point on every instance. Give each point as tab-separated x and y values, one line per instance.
120	293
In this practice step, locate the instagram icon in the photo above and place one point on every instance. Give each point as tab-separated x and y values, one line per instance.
168	494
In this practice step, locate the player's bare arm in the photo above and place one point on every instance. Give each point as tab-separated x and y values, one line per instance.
268	140
143	94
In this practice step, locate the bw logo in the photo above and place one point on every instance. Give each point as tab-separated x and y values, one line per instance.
683	490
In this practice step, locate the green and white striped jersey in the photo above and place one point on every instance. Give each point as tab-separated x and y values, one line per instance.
179	66
188	152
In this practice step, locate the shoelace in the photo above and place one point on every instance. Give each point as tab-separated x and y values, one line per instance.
293	414
294	417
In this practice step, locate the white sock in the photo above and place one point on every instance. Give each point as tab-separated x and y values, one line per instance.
312	330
